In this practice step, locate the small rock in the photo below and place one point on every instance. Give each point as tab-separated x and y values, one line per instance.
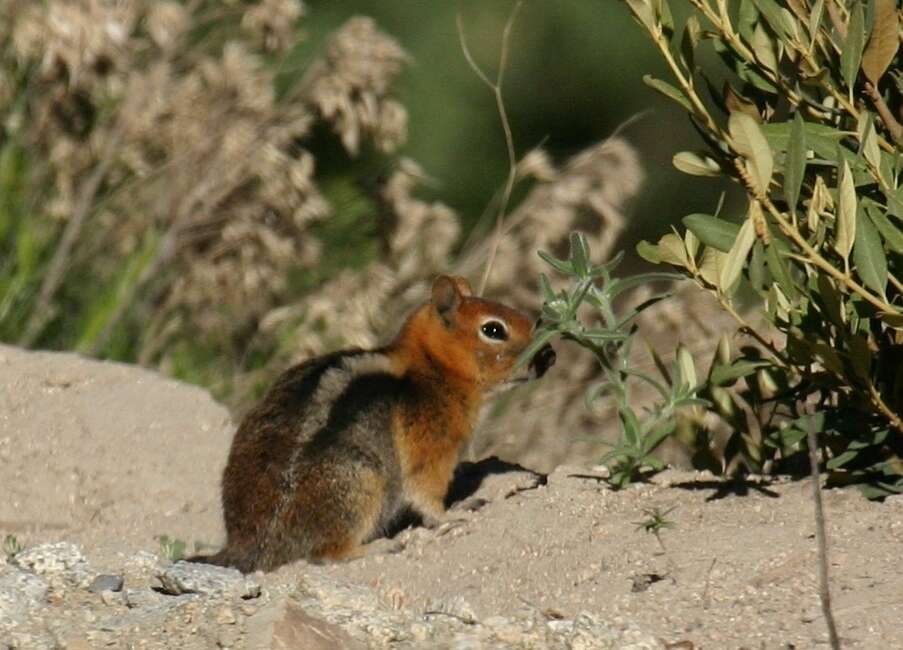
206	579
105	582
284	625
59	558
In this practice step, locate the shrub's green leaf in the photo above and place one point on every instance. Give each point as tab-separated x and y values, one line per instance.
785	439
649	252
722	375
750	75
851	56
842	459
821	200
736	257
868	254
663	11
670	249
669	91
547	293
601	335
818	10
747	18
642	10
696	164
562	266
712	231
795	167
894	201
884	41
894	321
831	299
593	393
845	233
579	253
868	139
758	276
764	49
777	266
711	265
631	427
721	398
891	234
734	102
690	41
822	139
880	490
828	357
691	243
749	142
686	366
773	15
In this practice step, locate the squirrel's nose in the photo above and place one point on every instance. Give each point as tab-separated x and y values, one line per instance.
543	360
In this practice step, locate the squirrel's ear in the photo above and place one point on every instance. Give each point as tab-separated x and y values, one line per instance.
447	295
463	285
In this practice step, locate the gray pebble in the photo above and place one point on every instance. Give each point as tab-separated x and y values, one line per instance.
106	582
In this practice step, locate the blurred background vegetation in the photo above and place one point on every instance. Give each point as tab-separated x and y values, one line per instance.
218	189
575	75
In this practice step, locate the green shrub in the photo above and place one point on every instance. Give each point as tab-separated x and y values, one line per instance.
797	109
609	337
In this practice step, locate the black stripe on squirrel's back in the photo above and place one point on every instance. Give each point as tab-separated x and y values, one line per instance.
365	401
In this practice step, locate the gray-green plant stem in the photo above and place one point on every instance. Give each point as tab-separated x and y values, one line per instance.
821	538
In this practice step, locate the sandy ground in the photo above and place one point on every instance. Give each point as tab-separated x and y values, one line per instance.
110	457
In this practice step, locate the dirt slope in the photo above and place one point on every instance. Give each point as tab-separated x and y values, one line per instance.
110	456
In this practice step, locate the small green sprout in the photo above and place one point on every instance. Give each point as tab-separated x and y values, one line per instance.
11	546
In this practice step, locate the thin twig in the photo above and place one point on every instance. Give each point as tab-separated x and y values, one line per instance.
821	538
705	591
496	88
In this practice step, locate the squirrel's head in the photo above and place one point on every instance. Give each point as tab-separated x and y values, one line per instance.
475	339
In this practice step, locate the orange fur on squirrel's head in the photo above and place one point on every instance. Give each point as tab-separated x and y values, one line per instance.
471	339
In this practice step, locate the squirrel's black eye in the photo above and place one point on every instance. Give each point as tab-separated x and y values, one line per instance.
494	330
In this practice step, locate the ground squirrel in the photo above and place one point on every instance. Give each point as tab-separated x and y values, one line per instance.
343	443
